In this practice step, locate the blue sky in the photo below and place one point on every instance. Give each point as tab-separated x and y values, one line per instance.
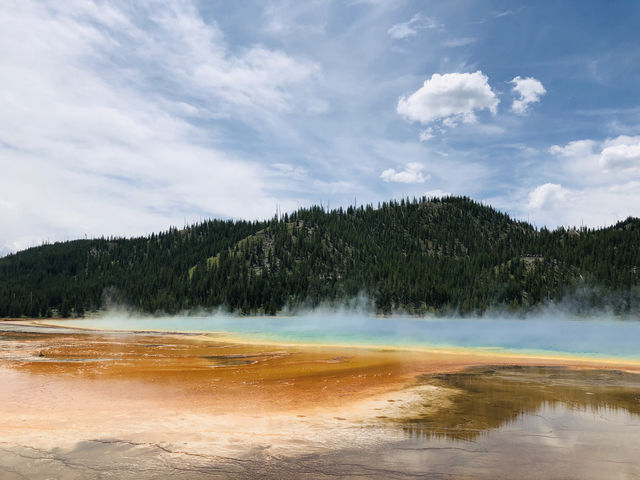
123	118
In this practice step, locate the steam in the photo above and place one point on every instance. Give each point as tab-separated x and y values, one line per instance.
571	327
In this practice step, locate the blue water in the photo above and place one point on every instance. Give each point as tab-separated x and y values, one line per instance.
602	337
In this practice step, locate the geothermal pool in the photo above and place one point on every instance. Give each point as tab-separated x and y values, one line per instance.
543	334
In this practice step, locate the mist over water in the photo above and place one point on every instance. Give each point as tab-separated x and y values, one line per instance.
546	332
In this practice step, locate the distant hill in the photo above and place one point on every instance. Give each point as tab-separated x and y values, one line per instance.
424	255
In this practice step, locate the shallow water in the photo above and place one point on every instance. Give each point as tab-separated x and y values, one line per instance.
503	397
514	422
523	422
598	336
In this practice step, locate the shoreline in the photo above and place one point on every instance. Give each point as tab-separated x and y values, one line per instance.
558	358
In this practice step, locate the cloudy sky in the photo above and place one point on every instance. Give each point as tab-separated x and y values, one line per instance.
123	118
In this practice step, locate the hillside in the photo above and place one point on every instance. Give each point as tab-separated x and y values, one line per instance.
439	255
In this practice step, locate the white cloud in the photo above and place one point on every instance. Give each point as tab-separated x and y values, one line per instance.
410	28
96	109
616	157
450	98
411	174
595	184
437	193
194	54
592	206
621	153
577	148
577	163
529	91
452	172
547	195
426	134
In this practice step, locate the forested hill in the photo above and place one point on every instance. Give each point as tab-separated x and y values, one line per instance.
439	255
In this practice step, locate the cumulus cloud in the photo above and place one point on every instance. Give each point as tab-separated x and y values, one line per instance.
596	183
612	156
411	174
594	206
575	148
410	28
547	195
621	153
529	90
450	99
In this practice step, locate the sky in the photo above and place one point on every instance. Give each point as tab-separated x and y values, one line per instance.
125	118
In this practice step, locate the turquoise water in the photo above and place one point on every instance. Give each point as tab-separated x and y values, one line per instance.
600	337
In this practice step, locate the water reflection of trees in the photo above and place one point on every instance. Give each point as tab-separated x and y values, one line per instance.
486	398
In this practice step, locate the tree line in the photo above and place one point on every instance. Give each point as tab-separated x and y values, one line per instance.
414	255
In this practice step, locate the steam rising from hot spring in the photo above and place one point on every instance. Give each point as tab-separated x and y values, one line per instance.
550	330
